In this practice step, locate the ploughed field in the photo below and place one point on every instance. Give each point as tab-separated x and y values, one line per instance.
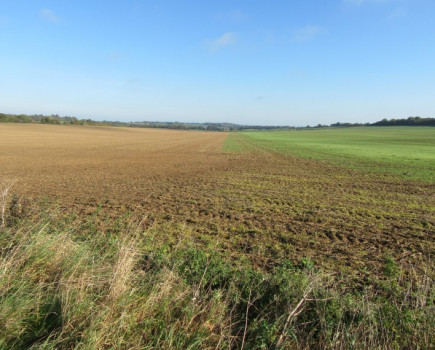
345	199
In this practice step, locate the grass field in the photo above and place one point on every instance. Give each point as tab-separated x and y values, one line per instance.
405	151
146	238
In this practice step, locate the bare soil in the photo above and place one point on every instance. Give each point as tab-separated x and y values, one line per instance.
263	205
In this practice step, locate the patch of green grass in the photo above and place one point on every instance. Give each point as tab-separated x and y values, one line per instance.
404	151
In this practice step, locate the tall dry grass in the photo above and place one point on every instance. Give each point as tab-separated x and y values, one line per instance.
60	290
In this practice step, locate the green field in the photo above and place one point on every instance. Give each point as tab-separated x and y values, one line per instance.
405	151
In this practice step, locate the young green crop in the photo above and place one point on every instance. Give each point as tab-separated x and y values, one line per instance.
404	151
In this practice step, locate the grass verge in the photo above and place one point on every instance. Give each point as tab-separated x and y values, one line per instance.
65	283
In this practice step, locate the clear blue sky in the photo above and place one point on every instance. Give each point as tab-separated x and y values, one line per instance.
242	61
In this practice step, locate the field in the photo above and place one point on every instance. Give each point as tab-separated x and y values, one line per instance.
404	151
353	203
295	207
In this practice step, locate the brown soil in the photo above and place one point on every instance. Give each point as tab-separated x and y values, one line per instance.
263	205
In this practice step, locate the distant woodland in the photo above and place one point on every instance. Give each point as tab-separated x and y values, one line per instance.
56	119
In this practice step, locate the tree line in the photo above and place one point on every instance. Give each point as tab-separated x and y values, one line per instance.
68	120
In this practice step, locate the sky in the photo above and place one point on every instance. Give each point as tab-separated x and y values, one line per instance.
251	62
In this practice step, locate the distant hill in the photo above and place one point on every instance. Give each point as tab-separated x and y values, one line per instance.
56	119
